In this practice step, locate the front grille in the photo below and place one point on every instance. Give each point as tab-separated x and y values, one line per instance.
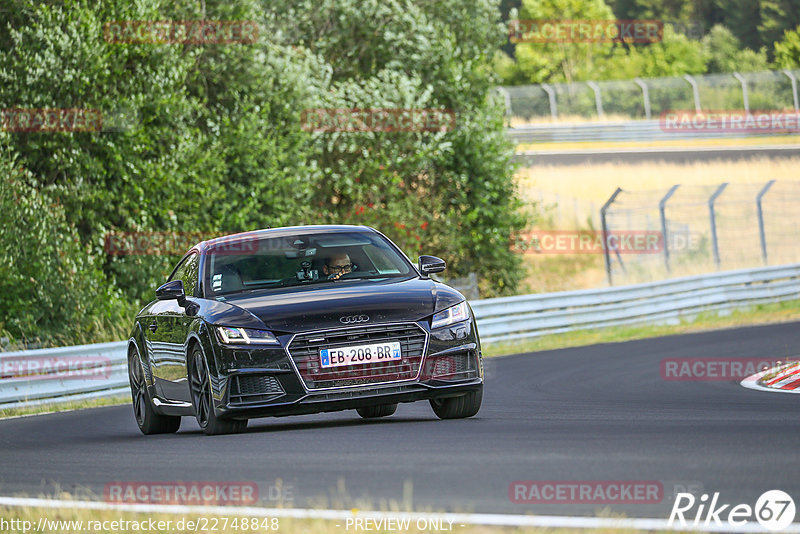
459	366
304	350
247	389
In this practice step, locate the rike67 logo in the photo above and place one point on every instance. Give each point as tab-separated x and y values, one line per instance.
774	510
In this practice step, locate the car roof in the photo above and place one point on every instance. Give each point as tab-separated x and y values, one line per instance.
281	232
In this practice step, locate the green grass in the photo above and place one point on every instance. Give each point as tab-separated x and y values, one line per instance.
65	406
704	321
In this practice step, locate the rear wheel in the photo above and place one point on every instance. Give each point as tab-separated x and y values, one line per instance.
146	417
203	403
466	405
371	412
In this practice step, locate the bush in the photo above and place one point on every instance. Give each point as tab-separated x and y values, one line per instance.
53	289
787	51
210	138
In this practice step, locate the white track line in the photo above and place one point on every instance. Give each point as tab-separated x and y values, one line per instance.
457	519
751	382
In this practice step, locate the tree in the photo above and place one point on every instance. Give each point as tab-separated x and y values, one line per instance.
53	289
675	55
665	10
217	123
787	51
449	193
777	17
561	61
211	138
742	18
724	53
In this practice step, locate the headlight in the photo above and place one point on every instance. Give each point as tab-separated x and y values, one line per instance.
453	314
229	334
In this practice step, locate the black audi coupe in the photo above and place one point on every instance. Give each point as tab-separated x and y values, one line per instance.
301	320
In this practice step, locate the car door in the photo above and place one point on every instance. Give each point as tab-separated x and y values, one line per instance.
171	330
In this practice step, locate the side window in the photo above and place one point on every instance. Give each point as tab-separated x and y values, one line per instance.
188	272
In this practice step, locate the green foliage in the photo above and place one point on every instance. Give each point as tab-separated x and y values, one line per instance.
53	288
787	51
776	18
668	10
447	193
404	183
209	138
675	55
739	36
725	54
543	62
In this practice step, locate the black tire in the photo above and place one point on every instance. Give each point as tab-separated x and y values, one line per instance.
147	419
371	412
203	403
466	405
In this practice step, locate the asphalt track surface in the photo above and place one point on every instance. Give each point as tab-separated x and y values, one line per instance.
648	155
600	412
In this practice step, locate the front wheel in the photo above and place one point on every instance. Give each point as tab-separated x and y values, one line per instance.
147	419
460	407
204	404
371	412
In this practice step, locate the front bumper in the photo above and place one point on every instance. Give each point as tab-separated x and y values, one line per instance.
349	400
266	382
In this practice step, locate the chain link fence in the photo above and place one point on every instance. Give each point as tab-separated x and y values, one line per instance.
704	228
649	98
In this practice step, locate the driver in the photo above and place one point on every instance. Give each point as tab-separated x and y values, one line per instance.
337	265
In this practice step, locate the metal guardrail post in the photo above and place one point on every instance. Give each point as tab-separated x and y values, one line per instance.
761	232
662	204
645	96
714	242
606	253
598	98
551	96
745	98
793	79
695	91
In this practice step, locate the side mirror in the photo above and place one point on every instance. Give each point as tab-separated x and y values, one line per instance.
431	264
172	290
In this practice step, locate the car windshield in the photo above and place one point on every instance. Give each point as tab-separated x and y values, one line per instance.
250	263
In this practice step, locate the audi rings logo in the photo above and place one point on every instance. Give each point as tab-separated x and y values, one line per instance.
352	319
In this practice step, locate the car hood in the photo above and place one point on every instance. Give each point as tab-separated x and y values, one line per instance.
322	307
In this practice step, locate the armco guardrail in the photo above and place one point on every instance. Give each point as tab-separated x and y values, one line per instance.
102	368
530	316
633	130
42	376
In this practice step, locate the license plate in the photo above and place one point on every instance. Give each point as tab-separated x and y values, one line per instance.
360	354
